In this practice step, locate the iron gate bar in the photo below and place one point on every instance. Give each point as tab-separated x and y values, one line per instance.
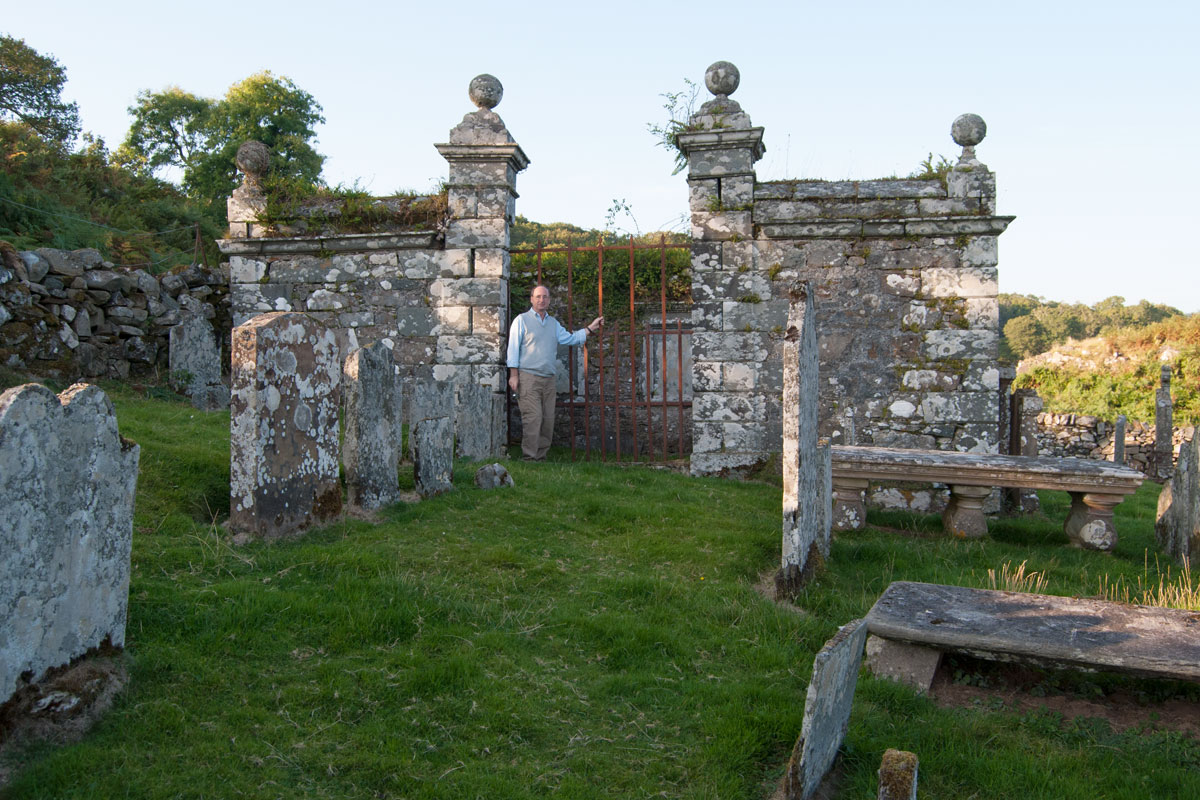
602	402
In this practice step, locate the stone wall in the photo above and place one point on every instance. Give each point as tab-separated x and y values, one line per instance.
1085	436
904	274
69	313
436	294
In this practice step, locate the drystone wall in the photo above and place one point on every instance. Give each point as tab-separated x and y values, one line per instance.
68	314
436	292
905	281
1086	436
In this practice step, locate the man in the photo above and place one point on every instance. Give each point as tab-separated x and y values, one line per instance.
533	341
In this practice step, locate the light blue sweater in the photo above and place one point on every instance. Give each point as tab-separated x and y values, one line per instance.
533	343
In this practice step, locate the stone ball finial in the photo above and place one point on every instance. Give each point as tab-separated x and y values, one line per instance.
253	159
968	130
722	78
485	91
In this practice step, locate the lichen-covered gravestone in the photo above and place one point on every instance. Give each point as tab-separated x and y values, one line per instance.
475	429
283	426
433	455
427	398
195	363
66	525
807	512
1177	526
370	450
826	711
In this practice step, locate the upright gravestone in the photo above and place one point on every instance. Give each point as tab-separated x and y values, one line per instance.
427	398
195	363
370	450
898	775
1025	406
807	512
283	428
1177	526
65	529
1163	428
826	711
475	428
1119	440
433	451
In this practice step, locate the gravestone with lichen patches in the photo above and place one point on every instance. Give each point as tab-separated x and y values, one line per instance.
370	448
66	529
807	512
283	426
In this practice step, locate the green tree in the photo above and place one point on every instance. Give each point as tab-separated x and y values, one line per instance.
200	136
1025	336
31	91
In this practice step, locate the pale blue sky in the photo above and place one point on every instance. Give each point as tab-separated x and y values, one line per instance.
1091	106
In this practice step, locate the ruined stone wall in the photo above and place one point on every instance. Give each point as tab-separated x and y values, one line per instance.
69	313
1086	436
437	295
905	282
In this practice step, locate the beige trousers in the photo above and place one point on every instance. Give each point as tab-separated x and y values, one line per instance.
535	399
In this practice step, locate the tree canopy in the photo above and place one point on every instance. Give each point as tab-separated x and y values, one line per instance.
31	92
200	136
1033	325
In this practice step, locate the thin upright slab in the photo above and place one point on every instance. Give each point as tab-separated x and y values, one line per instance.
807	514
195	362
1041	629
826	711
66	528
1177	526
370	450
433	456
475	416
283	426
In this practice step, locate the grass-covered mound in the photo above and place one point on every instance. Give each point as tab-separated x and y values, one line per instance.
592	632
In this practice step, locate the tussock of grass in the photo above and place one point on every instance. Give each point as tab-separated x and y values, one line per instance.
1017	579
1179	591
592	632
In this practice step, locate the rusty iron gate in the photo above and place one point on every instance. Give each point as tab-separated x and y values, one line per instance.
628	390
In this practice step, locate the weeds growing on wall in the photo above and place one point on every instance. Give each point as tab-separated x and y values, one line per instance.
296	206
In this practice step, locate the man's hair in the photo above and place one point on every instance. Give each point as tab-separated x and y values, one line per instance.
539	286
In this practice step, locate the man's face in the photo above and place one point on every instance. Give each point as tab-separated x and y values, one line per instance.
540	299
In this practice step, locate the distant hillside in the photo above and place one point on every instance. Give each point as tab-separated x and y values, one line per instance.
1032	324
1118	373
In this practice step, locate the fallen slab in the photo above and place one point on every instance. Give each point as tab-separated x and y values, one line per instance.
1044	630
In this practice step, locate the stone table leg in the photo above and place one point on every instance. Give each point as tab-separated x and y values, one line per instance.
1090	524
963	516
849	511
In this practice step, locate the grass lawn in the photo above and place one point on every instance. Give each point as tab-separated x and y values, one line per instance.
592	632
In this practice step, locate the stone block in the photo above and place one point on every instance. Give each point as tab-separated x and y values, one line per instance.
246	270
728	406
959	407
433	452
492	263
195	363
725	346
370	446
485	232
451	320
482	349
826	711
960	344
66	530
492	476
960	282
414	321
897	775
981	251
754	314
468	291
286	377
